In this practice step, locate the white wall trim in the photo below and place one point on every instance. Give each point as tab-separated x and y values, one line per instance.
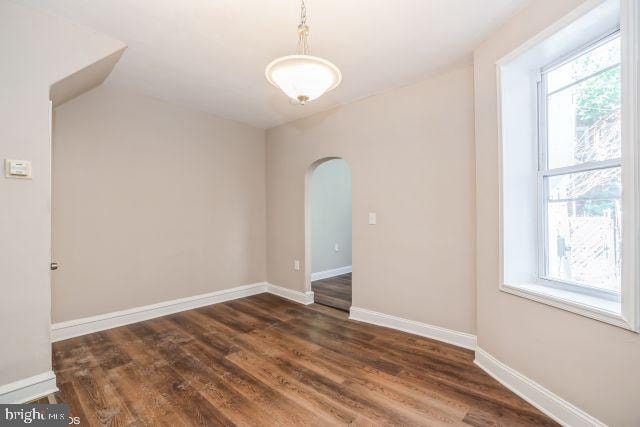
630	30
461	339
305	298
555	407
546	401
28	389
74	328
549	403
87	325
330	273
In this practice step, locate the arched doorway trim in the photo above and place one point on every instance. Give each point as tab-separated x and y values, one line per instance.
308	220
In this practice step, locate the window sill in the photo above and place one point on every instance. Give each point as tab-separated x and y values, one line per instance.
604	310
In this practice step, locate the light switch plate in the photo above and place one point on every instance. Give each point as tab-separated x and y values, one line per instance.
372	218
17	169
296	265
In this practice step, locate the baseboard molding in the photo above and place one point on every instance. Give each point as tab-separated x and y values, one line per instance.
38	386
305	298
551	404
74	328
330	273
87	325
461	339
28	389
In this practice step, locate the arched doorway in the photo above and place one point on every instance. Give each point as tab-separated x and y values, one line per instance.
328	232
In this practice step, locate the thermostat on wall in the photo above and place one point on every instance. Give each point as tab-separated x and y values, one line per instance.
17	168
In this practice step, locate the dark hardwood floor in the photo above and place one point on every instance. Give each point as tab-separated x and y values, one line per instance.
334	292
266	361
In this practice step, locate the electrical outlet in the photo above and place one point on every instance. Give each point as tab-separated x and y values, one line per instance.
296	265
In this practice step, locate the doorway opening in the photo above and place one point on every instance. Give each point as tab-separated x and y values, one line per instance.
329	233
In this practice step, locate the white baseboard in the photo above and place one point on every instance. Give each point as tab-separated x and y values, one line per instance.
305	298
74	328
330	273
38	386
28	389
87	325
461	339
546	401
549	403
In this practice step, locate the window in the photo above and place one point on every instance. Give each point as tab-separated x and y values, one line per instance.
579	171
569	130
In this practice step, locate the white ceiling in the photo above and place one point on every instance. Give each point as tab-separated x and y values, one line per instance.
211	54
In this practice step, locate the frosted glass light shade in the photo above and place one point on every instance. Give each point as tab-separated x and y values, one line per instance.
303	77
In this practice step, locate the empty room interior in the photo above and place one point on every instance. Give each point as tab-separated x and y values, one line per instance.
320	212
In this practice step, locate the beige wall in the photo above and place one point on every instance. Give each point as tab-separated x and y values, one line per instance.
330	215
152	202
412	161
411	153
593	365
36	50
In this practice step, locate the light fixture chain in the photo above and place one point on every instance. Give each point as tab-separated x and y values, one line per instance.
303	31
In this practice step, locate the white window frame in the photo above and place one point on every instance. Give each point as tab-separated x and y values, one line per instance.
623	310
545	172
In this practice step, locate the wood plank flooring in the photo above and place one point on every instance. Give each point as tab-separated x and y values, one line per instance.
265	361
334	292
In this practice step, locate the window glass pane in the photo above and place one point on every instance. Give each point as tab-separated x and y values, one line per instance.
604	56
583	228
583	119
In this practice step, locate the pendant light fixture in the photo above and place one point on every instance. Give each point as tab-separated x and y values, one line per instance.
303	77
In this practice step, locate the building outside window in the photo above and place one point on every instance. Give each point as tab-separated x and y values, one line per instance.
580	168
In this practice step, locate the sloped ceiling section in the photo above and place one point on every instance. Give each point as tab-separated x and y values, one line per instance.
47	48
83	80
211	54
